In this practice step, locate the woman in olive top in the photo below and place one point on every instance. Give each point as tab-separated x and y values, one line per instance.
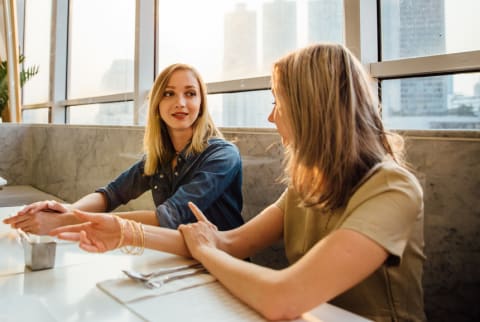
351	217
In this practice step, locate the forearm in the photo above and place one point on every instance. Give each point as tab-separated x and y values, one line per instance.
143	216
158	238
259	287
93	202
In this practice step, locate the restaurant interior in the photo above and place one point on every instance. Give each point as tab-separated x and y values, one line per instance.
77	74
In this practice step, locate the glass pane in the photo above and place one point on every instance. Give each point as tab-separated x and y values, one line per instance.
238	39
428	27
101	52
38	115
245	109
120	113
438	102
37	50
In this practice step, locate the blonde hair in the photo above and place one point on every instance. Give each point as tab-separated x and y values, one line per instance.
338	135
157	145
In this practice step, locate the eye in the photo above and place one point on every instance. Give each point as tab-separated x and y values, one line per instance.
274	103
191	93
168	93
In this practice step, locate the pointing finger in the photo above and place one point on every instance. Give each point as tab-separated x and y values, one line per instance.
197	212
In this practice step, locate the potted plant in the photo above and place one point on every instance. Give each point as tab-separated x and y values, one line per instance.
25	74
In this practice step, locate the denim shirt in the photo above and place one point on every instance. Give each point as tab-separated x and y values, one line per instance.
212	180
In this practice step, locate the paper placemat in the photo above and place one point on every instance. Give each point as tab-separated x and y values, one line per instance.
206	303
127	290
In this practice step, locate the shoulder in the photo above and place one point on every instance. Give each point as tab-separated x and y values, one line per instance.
222	146
388	177
391	176
220	142
387	207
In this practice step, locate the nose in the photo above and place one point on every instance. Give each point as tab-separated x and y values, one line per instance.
180	102
270	116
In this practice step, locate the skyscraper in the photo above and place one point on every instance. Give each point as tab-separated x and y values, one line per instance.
412	29
279	30
330	26
240	43
248	109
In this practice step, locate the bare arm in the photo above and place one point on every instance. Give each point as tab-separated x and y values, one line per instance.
263	230
332	266
96	202
101	232
42	216
93	202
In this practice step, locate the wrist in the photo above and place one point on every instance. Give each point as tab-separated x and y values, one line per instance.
132	237
68	218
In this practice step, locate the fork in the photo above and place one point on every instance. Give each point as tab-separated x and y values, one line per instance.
144	277
170	278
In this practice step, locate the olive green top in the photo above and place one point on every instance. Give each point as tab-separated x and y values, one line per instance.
387	207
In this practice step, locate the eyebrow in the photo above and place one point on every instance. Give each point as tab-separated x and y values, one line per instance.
186	87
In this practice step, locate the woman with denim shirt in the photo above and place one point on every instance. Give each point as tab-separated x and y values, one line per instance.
186	159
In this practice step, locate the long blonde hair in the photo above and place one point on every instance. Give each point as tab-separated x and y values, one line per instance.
336	125
157	145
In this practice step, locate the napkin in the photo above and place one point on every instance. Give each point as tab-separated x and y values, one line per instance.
127	290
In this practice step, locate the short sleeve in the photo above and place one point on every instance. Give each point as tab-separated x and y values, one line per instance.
386	209
280	203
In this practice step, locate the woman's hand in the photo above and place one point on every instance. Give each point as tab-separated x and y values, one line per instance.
39	217
98	233
199	235
46	205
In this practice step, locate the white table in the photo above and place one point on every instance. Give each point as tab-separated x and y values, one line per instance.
68	292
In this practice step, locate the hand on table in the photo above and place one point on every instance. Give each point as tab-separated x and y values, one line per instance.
38	218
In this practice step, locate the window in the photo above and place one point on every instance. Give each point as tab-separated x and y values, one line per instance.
428	62
436	102
101	50
118	113
429	27
245	109
429	70
241	39
38	115
37	50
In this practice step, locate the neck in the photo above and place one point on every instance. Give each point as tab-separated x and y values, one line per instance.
180	139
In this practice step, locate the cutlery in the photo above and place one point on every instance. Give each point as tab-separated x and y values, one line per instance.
170	278
144	277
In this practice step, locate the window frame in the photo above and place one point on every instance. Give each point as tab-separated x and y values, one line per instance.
362	37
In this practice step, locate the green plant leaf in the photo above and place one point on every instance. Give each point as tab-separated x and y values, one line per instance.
25	75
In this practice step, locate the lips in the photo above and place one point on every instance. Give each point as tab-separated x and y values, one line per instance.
179	115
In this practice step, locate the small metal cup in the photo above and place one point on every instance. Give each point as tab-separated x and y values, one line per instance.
39	252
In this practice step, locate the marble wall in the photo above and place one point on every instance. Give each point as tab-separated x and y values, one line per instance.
70	161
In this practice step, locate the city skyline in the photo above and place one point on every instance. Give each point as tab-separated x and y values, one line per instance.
206	47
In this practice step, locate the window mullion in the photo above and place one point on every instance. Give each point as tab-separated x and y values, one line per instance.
58	63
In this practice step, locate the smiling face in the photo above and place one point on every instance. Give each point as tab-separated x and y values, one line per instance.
180	103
